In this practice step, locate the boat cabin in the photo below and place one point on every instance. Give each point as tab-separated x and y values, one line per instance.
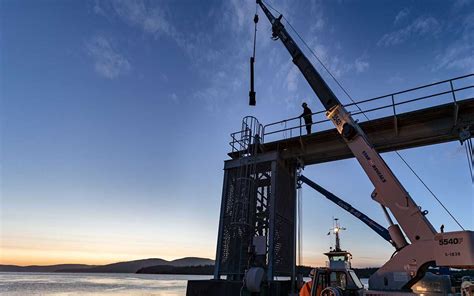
337	278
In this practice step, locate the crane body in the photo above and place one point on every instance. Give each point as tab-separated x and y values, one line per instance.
425	246
379	229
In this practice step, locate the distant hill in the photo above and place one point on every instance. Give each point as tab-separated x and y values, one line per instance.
120	267
168	269
46	268
191	261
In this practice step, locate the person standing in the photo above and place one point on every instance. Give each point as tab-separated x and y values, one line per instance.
308	286
307	116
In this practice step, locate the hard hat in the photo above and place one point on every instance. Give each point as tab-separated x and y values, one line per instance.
304	104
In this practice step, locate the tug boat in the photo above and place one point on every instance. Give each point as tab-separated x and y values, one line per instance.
337	278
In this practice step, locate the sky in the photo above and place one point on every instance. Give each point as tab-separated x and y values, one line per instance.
116	119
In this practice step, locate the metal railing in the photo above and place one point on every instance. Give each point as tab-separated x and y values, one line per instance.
442	91
250	135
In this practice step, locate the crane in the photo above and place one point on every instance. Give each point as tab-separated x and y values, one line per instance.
380	230
425	246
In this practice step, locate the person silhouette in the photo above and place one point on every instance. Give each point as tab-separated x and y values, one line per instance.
307	116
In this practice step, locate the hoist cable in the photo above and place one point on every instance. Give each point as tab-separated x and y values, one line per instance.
426	186
365	115
255	20
300	226
471	151
469	155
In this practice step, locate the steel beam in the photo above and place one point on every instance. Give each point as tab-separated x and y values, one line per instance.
413	129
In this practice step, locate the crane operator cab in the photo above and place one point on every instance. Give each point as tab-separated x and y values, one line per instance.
337	279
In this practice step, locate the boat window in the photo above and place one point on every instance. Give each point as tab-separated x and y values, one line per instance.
322	279
338	279
338	258
356	279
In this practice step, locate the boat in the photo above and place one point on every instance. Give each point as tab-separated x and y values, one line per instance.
337	278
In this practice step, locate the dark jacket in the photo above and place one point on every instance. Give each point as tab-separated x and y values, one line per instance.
307	115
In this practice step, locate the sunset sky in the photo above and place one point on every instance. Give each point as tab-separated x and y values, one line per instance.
116	115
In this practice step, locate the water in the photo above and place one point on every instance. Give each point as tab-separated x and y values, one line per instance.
94	284
97	284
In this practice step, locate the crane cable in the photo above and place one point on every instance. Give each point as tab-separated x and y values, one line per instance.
470	160
300	226
365	115
255	20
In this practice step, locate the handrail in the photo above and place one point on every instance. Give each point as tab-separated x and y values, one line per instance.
393	103
410	101
250	133
410	89
292	118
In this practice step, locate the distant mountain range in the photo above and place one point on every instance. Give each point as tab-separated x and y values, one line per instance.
120	267
168	269
39	268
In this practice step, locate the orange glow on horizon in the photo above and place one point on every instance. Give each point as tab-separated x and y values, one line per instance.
93	254
97	249
25	257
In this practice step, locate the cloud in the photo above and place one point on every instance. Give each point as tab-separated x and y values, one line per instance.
332	57
361	65
107	61
338	65
291	80
461	3
240	14
401	15
153	19
209	43
395	79
317	15
211	96
174	98
459	54
136	13
98	9
422	26
150	19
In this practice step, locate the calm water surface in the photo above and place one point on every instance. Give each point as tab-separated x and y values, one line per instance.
95	284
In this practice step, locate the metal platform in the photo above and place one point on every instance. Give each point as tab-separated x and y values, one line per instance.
232	288
424	126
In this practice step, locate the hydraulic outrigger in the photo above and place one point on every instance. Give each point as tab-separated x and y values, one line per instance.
426	246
